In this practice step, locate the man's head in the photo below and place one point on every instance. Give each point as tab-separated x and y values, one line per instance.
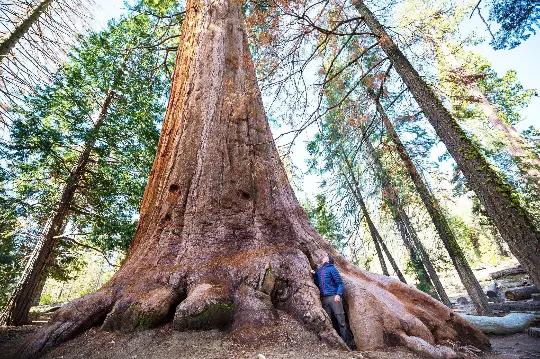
328	259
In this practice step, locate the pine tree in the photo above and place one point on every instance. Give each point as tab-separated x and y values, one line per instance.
81	148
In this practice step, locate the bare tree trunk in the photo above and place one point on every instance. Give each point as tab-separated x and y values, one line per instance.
438	218
9	42
408	232
392	261
527	162
16	310
514	223
426	261
404	225
39	291
379	252
222	241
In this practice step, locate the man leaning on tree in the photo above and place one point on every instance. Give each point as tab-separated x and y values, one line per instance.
330	284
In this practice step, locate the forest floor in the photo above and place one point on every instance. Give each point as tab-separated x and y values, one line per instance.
287	340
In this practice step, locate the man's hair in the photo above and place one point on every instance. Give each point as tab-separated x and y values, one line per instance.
330	259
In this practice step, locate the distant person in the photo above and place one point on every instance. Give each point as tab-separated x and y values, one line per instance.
330	285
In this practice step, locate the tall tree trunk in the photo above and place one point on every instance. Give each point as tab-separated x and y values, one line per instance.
450	242
426	261
18	306
378	250
375	235
527	161
404	225
391	260
513	221
33	14
222	241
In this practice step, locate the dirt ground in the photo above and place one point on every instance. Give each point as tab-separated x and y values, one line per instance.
287	340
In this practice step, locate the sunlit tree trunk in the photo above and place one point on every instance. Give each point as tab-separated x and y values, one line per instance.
354	187
222	241
408	234
527	161
8	43
18	306
438	218
425	260
513	221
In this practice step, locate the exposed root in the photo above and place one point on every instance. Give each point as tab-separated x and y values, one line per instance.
207	306
384	311
69	321
420	346
147	310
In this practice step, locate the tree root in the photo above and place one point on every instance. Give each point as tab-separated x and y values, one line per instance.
382	311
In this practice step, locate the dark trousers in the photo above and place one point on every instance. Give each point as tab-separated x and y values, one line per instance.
334	308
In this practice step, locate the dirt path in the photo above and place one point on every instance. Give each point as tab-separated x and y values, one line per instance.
515	346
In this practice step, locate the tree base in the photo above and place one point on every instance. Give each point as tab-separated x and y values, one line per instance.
382	311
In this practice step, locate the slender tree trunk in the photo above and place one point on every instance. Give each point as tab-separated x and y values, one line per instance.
377	239
527	161
403	223
16	310
465	272
391	260
514	223
426	261
222	241
377	247
39	291
9	42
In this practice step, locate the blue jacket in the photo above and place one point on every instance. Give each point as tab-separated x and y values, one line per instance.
328	280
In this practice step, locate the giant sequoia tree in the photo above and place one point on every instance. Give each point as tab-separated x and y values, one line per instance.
222	240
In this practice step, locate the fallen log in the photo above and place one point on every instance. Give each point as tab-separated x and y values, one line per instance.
521	306
507	272
491	290
521	293
509	324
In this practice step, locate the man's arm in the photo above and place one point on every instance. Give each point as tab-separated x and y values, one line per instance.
337	279
315	278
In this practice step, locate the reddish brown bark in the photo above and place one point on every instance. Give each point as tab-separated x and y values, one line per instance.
222	240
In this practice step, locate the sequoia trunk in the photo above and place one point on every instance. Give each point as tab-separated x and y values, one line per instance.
18	306
513	221
222	241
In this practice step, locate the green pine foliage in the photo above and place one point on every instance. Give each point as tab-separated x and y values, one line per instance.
325	221
50	128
